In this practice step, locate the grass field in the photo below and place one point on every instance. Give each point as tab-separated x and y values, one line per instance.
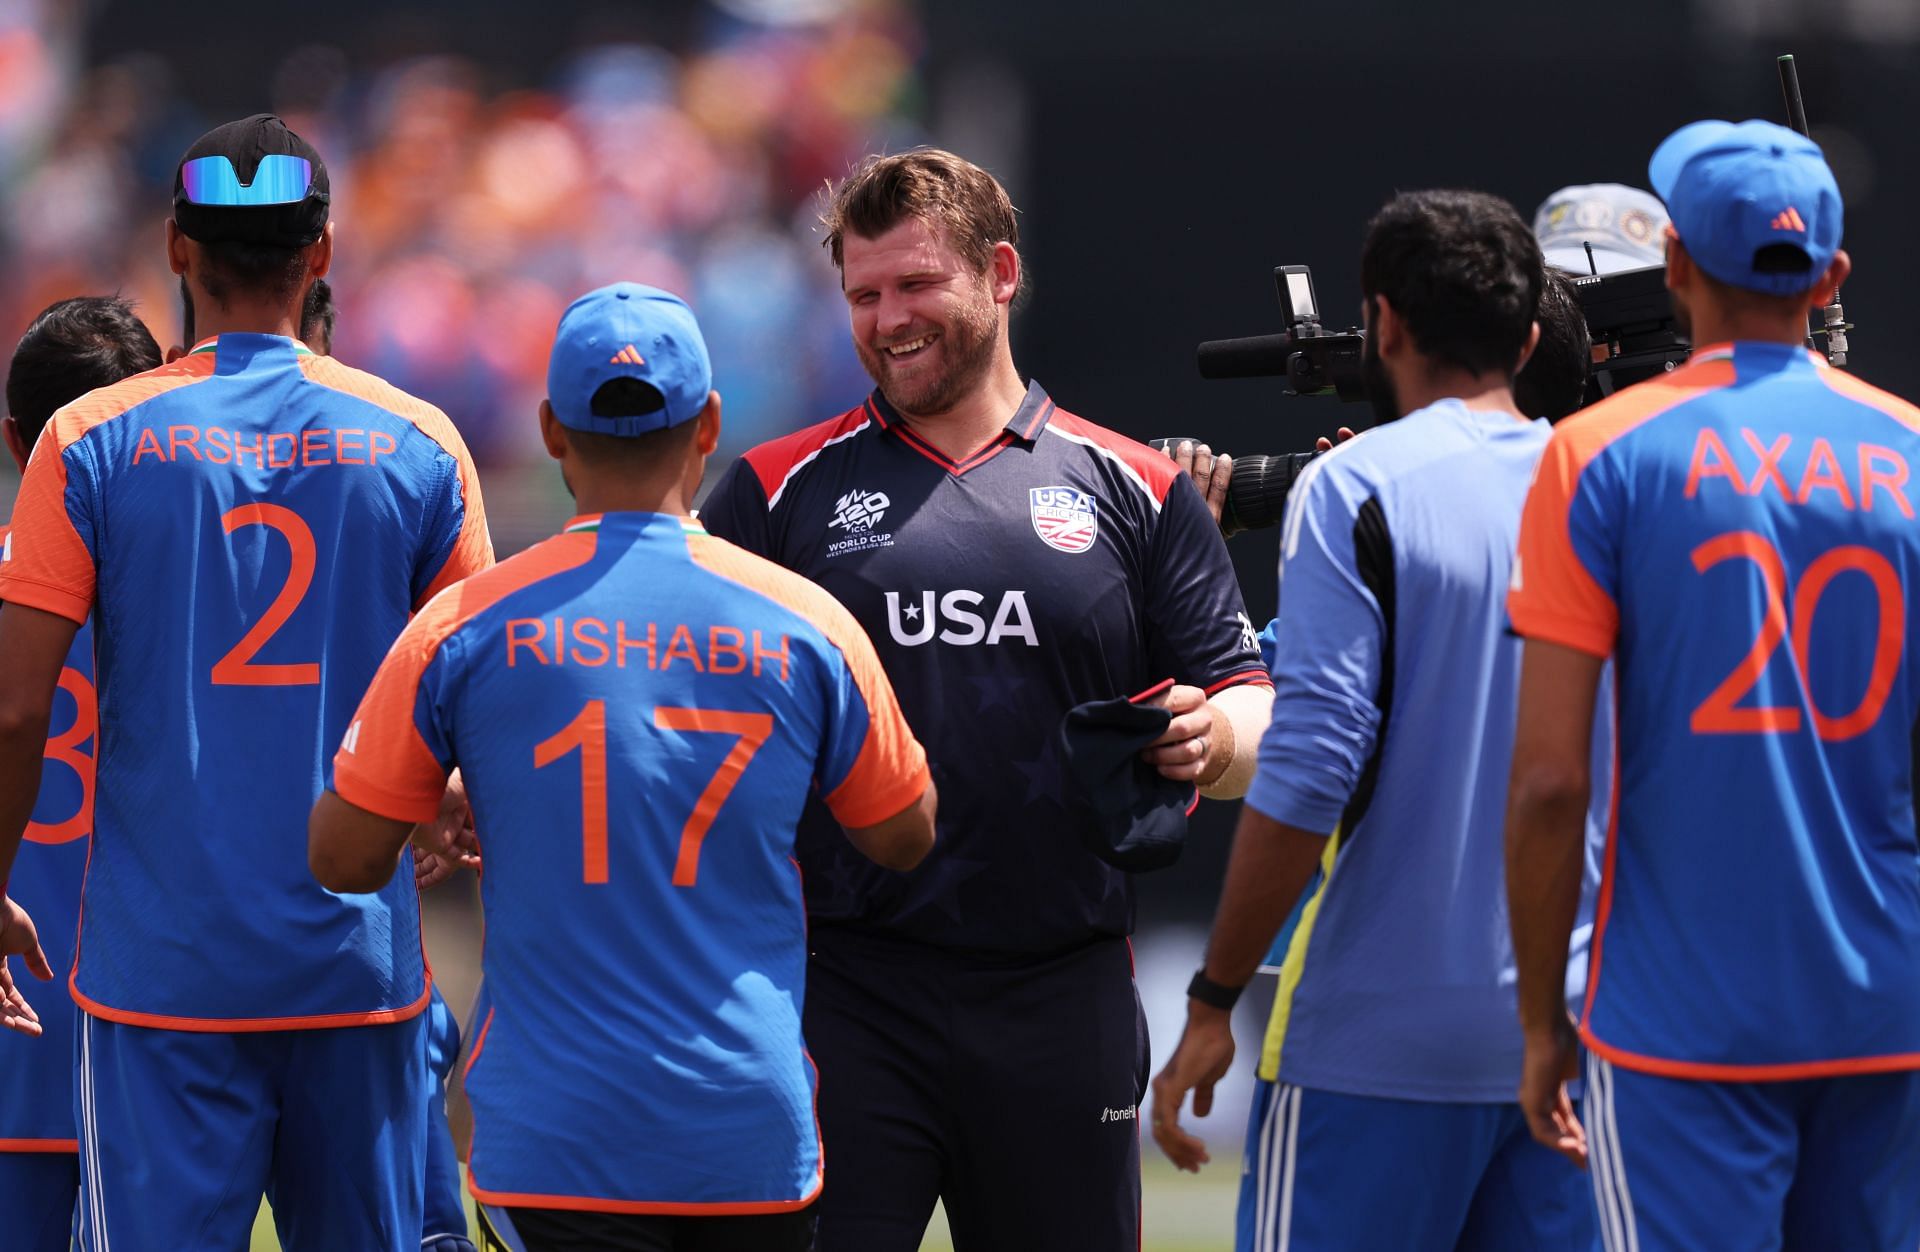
1184	1213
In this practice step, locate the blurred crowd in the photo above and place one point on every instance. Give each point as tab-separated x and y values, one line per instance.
470	209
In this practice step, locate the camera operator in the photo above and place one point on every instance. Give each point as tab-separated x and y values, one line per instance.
1387	1119
1552	384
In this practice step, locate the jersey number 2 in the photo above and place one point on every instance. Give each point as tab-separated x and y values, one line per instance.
237	668
587	732
1717	713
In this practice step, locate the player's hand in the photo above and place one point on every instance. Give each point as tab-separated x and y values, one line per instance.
1210	473
1324	444
1181	753
1202	1059
18	937
448	842
1544	1074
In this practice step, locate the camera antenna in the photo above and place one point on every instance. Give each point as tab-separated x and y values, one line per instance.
1593	266
1835	324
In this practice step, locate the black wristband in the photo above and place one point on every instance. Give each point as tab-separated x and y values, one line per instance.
1211	993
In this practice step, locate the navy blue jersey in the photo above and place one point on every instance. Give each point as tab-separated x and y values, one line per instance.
1060	563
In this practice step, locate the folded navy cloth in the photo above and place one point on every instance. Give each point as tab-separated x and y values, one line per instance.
1129	814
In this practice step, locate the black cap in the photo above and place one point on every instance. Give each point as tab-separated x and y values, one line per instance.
1128	813
243	143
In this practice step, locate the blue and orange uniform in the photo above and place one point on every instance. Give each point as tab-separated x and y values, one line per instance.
1740	538
640	712
39	1171
250	528
988	996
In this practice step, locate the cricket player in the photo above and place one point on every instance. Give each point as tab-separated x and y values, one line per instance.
1010	560
1383	1119
640	712
1739	537
250	528
71	348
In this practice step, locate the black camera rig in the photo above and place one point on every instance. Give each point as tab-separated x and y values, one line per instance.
1629	315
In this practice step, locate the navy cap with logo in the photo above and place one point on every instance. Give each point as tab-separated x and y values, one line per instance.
628	330
252	181
1753	203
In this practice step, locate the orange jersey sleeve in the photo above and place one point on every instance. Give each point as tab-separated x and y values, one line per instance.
44	563
889	772
1554	596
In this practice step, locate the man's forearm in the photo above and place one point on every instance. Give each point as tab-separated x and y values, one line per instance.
1270	865
22	746
1240	716
1546	836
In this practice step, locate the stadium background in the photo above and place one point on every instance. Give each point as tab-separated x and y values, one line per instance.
491	160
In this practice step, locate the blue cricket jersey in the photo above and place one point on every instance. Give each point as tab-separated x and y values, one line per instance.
639	711
1740	536
1396	686
250	528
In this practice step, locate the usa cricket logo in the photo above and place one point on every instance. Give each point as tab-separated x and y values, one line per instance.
1063	517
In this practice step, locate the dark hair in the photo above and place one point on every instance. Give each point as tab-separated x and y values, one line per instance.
933	185
317	316
628	397
253	269
72	348
1554	382
1461	269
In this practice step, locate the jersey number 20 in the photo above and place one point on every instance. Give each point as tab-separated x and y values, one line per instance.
587	732
1717	713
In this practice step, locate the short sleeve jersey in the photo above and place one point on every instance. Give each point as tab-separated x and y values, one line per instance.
36	1075
1395	685
639	711
1061	563
250	527
1740	537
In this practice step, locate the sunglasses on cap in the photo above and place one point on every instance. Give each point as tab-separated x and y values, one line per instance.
279	179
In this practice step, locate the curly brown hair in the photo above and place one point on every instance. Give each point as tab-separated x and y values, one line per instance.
929	184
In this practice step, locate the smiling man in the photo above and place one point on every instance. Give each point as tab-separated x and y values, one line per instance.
1010	561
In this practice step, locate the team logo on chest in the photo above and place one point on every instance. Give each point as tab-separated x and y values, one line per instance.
855	515
1063	517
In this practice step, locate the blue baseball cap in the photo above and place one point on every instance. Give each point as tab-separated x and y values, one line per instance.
628	331
1736	190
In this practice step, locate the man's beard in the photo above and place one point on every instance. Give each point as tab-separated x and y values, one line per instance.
1380	393
186	314
967	342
